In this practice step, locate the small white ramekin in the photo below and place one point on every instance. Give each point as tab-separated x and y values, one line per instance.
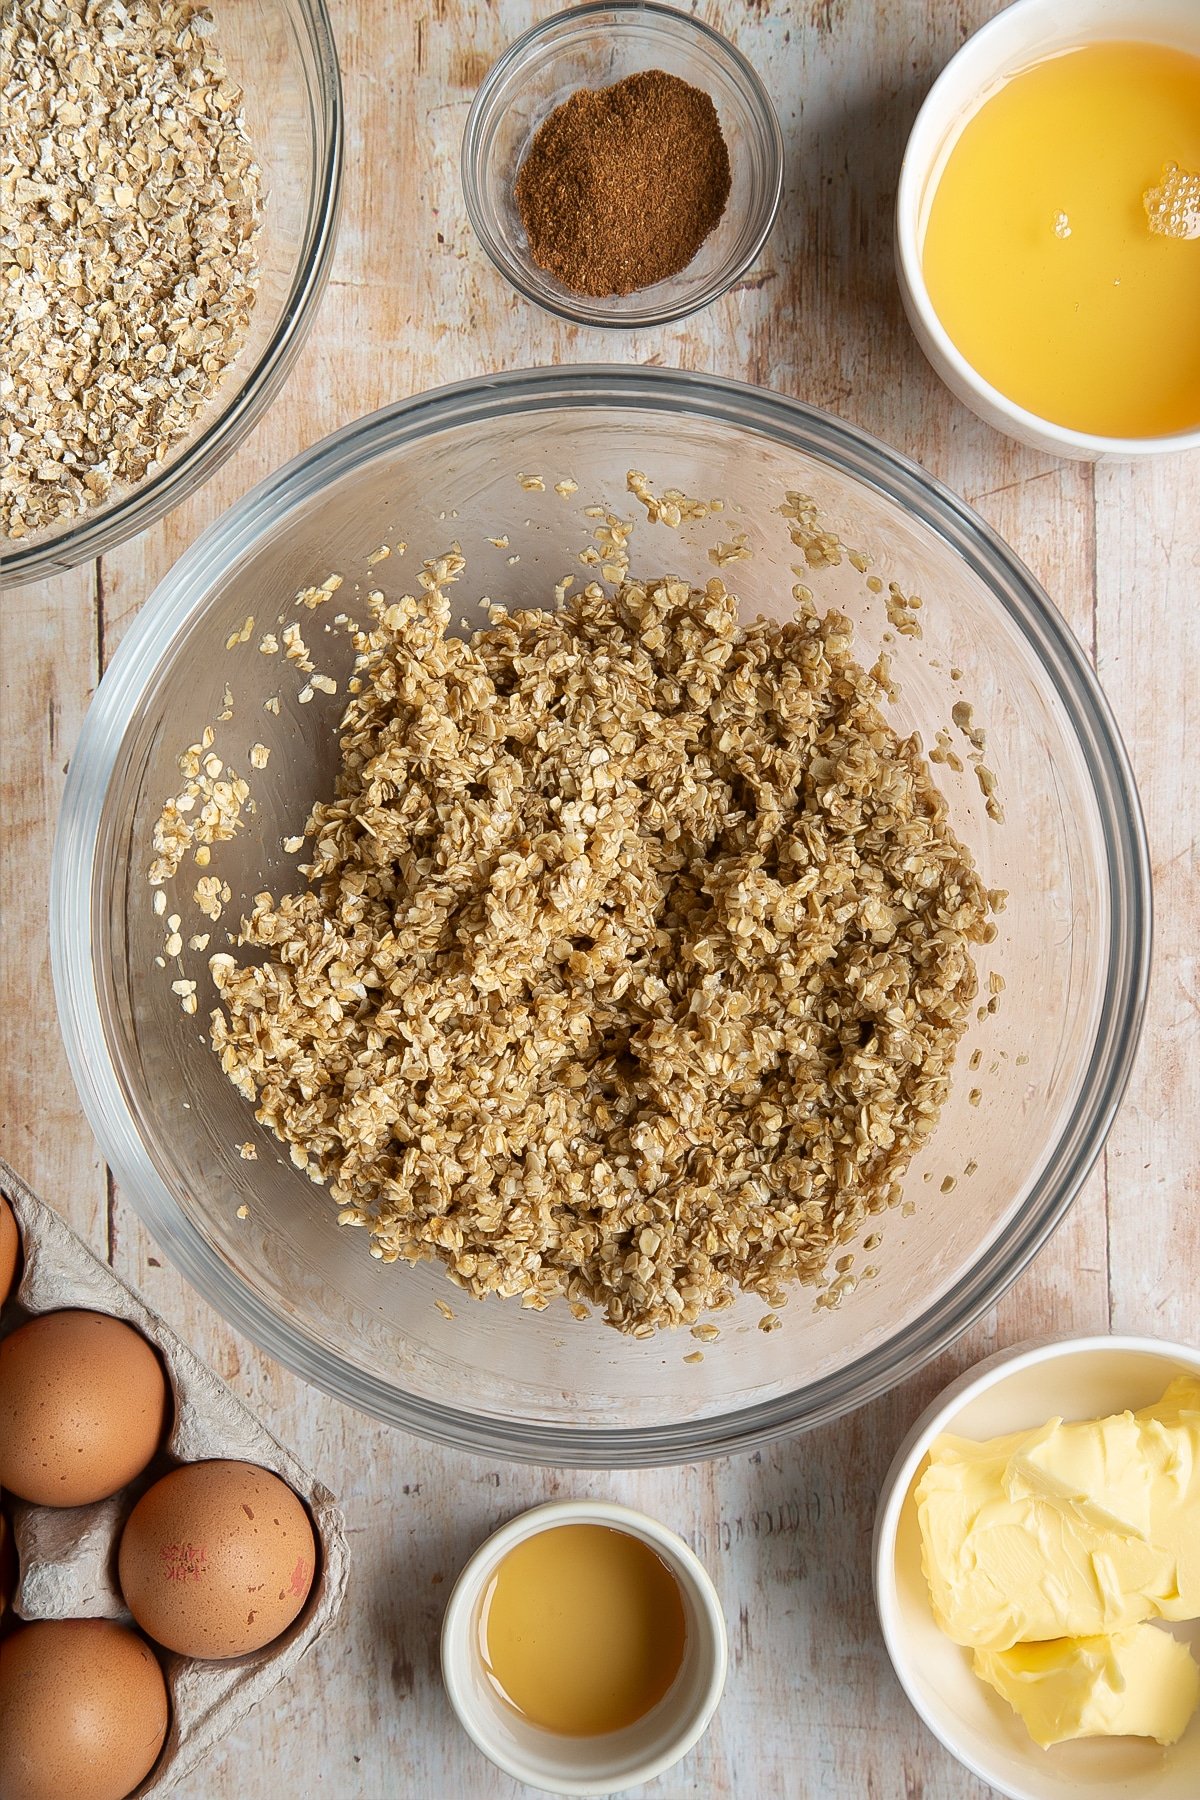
618	1759
1025	32
1017	1389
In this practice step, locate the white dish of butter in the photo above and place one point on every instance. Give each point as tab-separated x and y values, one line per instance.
1045	1513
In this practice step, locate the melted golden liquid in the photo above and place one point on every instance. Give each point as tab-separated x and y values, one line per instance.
582	1629
1040	258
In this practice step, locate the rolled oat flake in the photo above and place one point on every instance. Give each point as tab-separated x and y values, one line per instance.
622	184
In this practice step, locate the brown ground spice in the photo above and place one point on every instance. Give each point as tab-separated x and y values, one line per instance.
622	184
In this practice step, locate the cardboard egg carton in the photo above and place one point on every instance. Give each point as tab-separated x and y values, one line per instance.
68	1556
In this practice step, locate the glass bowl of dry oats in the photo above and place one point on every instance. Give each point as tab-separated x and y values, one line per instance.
171	189
600	915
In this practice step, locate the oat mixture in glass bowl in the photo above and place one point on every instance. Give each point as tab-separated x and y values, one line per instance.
629	959
958	644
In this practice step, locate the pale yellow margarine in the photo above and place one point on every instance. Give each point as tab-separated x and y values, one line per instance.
1139	1682
1068	1531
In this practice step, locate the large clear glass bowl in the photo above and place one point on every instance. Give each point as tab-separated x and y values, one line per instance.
282	55
1072	951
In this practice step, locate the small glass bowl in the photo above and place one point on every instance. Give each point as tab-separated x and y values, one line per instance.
595	46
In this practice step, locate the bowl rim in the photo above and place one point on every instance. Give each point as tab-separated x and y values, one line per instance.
785	421
585	309
95	532
991	1372
988	47
688	1571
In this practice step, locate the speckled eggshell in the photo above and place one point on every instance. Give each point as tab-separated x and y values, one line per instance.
10	1249
83	1711
84	1406
217	1559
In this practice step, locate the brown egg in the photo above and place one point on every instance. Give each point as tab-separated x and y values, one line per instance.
83	1711
10	1249
217	1559
83	1408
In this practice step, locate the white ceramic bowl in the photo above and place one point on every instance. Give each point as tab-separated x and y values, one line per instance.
1026	32
1015	1390
618	1759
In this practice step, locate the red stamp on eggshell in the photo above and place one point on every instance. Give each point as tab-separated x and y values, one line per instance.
184	1562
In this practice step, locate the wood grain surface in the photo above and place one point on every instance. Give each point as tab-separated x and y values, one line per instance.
812	1708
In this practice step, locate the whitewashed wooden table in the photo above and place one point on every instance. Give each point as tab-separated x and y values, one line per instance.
812	1708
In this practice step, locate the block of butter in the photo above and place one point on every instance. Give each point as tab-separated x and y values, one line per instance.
1068	1531
1140	1682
